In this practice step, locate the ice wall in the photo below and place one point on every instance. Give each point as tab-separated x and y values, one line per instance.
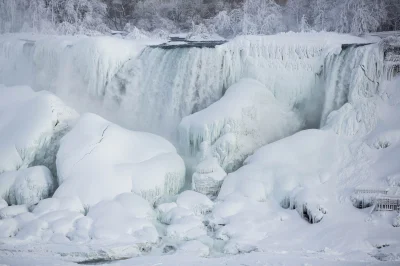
153	89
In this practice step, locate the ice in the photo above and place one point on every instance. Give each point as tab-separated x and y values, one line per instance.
208	177
27	186
31	125
111	160
353	82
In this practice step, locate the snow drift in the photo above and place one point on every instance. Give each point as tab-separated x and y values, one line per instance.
99	160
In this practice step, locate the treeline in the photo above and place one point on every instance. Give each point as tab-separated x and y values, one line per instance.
226	18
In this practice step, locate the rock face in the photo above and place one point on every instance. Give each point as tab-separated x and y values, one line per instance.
99	160
27	186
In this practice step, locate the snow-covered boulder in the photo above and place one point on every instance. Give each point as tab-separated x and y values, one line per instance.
194	248
31	125
27	186
128	216
194	201
12	211
98	160
3	204
280	170
208	177
186	228
58	204
247	117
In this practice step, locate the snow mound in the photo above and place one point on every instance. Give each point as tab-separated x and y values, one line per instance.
186	228
194	201
128	216
27	186
12	211
208	177
3	204
58	204
247	117
98	160
194	248
280	170
31	125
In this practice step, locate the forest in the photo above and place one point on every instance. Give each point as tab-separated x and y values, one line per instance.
226	18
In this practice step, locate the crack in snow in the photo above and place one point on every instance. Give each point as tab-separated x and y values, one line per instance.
94	147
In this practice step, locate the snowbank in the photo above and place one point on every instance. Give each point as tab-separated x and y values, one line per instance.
98	160
27	186
31	125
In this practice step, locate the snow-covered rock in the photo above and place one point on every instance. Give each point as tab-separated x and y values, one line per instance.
128	216
186	228
281	169
31	125
194	248
3	204
12	211
27	186
58	204
247	117
175	214
208	177
98	160
194	201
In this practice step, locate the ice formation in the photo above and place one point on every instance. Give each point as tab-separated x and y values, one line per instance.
120	74
208	177
112	160
31	125
247	117
27	186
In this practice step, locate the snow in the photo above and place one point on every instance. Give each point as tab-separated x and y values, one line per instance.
194	201
31	125
27	186
245	118
112	160
194	248
208	177
127	215
58	204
